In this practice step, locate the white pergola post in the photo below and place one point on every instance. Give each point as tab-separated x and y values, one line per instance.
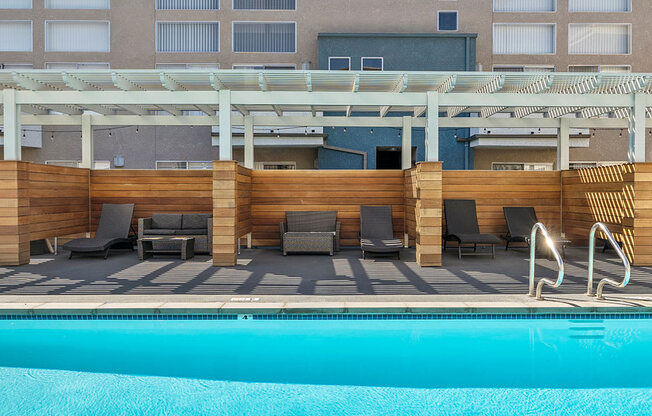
11	126
432	127
637	129
249	141
563	145
88	145
226	150
406	146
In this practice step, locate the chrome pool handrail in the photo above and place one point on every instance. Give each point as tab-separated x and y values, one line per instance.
619	251
555	252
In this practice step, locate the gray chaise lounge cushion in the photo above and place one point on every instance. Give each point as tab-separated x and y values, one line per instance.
114	226
377	231
462	223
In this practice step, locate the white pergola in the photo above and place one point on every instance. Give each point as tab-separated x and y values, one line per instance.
230	98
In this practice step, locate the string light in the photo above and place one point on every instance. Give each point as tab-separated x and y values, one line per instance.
110	134
621	133
136	129
371	131
344	129
52	136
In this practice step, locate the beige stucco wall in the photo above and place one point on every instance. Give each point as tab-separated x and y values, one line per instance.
305	157
133	31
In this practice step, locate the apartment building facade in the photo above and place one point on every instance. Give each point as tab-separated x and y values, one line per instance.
509	35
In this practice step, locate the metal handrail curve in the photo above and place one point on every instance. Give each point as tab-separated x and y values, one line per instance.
555	252
621	254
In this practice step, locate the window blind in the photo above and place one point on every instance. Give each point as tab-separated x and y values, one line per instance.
524	39
188	37
264	37
77	36
599	39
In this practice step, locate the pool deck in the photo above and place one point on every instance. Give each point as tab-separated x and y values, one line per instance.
264	281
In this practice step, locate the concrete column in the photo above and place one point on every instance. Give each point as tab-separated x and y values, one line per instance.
88	144
11	126
563	145
226	149
637	130
406	146
249	142
432	127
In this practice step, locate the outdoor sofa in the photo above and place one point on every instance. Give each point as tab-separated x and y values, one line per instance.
112	232
310	232
199	226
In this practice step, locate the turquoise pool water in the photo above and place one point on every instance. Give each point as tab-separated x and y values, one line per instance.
327	367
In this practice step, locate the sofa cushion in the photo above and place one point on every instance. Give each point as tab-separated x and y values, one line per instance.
311	221
192	231
159	231
194	221
166	221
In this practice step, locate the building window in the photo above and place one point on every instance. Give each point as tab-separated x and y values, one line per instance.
270	37
524	68
520	166
77	4
187	4
446	20
371	64
15	36
614	69
183	165
600	6
264	5
339	64
275	165
16	66
599	39
187	36
264	67
524	39
77	65
188	66
15	4
77	36
525	5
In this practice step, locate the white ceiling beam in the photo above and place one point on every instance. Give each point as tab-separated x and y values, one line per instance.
241	109
216	82
588	84
355	86
123	83
536	87
494	85
136	109
170	83
206	109
583	88
400	87
338	121
75	83
170	109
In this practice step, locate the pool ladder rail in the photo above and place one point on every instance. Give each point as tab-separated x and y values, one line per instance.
606	281
560	262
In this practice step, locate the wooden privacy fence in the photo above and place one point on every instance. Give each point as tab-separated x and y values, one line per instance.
38	201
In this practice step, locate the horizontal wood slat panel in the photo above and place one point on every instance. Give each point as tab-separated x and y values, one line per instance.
275	192
152	191
493	190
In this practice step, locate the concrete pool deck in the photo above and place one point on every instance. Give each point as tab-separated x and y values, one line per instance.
266	282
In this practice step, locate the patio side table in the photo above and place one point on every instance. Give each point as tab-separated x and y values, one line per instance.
186	247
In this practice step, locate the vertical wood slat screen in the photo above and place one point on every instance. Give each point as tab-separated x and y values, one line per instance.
187	4
599	39
524	39
16	36
264	4
15	4
187	37
78	4
525	5
599	5
264	37
77	36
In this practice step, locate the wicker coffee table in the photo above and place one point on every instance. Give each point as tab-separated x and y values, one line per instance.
186	247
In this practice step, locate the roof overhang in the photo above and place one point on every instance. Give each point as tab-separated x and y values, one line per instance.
535	141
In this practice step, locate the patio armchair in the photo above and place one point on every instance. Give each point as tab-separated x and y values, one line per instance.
462	226
310	232
377	232
112	231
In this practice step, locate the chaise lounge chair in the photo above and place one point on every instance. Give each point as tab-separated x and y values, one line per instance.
520	221
377	232
112	231
462	226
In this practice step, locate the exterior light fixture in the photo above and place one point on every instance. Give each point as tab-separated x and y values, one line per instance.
371	131
621	133
110	134
344	129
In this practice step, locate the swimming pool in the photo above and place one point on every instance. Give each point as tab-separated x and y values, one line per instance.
327	364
